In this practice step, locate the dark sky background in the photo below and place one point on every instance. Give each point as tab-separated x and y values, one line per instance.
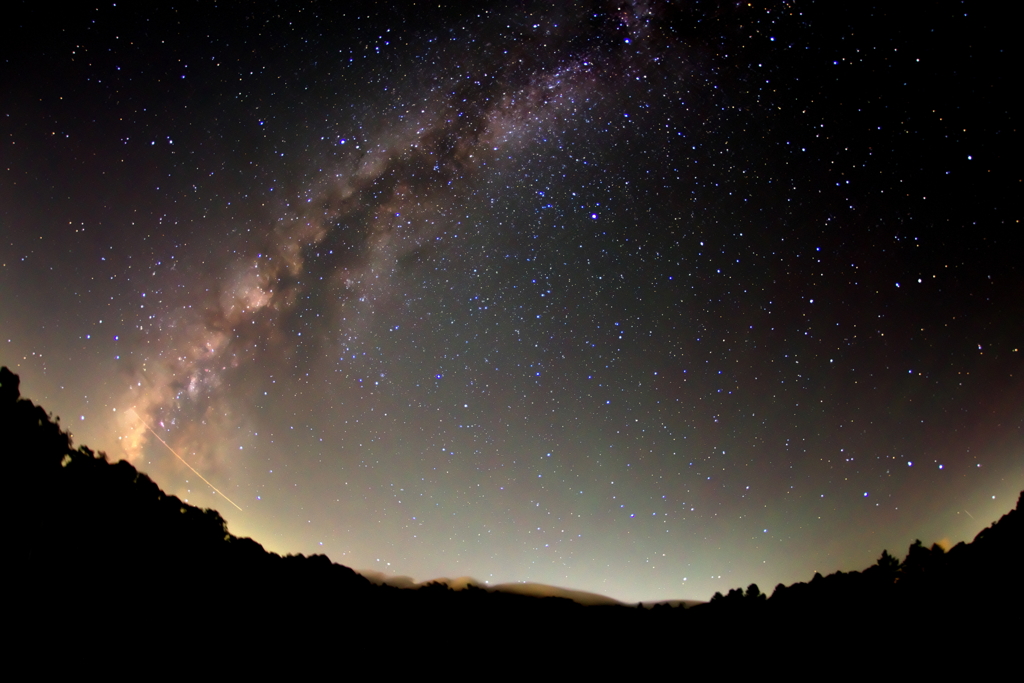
650	299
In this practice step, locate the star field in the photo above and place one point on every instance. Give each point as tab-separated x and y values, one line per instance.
650	299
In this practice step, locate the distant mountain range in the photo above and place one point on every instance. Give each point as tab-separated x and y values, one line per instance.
536	590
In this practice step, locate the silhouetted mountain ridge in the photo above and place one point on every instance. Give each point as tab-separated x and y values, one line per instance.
98	547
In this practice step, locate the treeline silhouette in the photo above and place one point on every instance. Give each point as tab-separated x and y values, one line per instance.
97	548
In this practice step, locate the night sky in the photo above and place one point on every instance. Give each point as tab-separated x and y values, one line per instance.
650	299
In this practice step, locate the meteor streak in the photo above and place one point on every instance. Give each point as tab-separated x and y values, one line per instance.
183	460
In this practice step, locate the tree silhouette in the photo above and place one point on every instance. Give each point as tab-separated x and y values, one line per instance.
109	550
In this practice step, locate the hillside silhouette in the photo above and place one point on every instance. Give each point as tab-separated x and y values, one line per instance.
98	551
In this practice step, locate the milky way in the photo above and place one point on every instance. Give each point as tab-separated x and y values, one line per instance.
648	299
400	192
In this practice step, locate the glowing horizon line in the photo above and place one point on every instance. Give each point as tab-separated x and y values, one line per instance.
153	432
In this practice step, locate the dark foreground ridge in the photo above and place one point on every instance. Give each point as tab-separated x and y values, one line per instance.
101	555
